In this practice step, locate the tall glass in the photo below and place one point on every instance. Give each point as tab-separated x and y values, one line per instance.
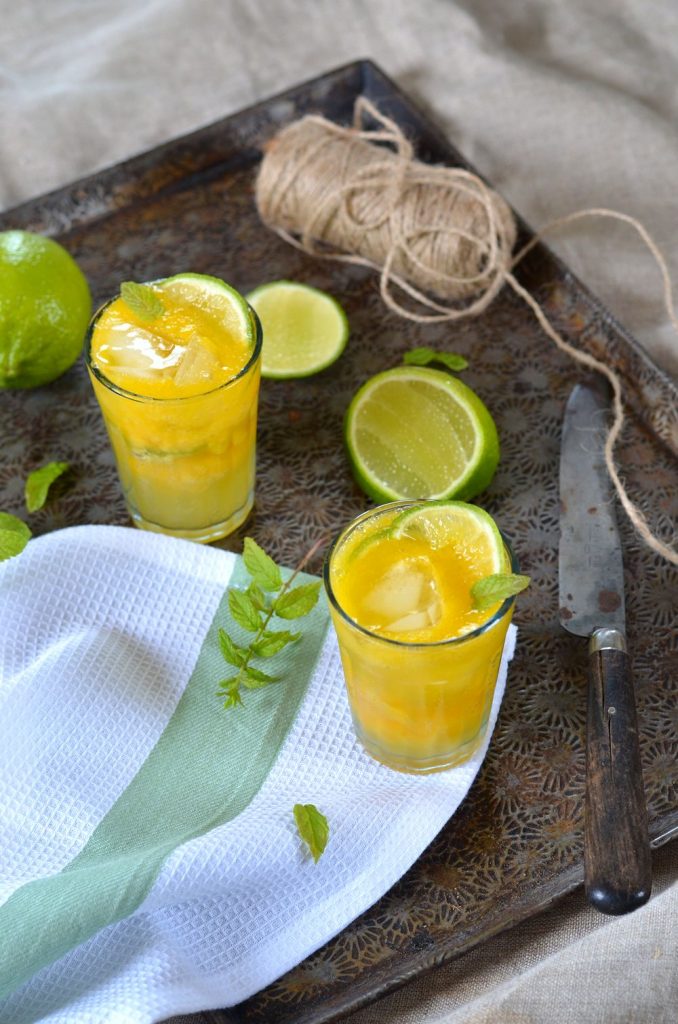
417	707
187	464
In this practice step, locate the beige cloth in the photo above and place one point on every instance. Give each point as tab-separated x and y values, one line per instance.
571	964
562	106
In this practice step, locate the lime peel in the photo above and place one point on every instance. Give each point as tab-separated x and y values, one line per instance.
45	306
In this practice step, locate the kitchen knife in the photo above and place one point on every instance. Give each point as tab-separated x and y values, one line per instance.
617	863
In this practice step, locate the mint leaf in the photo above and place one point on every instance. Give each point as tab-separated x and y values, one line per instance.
271	643
39	482
424	355
261	566
14	536
297	602
233	700
313	828
258	597
14	525
142	300
497	587
230	689
229	685
419	356
233	654
451	360
254	678
244	610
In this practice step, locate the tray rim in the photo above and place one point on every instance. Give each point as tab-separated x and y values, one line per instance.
362	69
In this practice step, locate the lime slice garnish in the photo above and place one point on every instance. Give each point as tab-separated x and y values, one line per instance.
366	543
178	337
305	330
213	296
415	432
468	529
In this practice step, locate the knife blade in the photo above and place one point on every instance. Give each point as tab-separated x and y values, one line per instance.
617	864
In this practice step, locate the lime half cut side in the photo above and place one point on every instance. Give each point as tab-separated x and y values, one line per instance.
470	530
416	432
305	330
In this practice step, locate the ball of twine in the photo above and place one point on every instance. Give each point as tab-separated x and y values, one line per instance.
440	229
438	234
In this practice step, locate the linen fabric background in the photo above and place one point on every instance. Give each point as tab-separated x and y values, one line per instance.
561	106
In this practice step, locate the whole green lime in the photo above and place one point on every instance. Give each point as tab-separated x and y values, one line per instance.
45	306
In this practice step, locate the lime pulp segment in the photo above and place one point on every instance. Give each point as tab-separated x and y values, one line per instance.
468	528
213	296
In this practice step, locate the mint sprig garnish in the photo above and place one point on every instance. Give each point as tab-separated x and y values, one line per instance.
142	300
313	827
14	536
39	482
424	355
497	587
253	609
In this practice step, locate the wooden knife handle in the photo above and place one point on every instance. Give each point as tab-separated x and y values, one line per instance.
617	862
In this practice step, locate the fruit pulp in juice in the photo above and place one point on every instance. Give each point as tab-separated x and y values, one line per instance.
180	413
420	668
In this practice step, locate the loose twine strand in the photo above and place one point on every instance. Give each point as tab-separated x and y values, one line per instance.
329	191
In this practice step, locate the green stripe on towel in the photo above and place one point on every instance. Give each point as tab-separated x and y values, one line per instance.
204	770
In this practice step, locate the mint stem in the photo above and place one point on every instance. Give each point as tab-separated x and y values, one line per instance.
271	612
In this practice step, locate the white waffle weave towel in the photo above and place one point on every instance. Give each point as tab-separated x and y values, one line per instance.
150	861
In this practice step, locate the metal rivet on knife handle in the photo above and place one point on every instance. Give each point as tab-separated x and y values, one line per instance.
607	640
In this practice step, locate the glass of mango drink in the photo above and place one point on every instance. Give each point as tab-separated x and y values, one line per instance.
178	387
420	662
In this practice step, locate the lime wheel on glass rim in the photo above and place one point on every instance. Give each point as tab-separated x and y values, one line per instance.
181	335
408	569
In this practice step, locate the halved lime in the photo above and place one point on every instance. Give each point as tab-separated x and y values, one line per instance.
415	432
469	529
305	330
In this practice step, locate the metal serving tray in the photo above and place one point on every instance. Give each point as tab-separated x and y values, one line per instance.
515	845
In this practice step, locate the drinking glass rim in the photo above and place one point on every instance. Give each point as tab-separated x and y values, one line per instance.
427	645
117	389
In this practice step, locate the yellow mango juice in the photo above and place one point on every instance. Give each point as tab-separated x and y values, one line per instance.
420	662
179	399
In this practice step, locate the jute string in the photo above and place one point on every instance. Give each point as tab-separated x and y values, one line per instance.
428	230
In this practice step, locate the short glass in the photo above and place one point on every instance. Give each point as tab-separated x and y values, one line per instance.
418	707
186	465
